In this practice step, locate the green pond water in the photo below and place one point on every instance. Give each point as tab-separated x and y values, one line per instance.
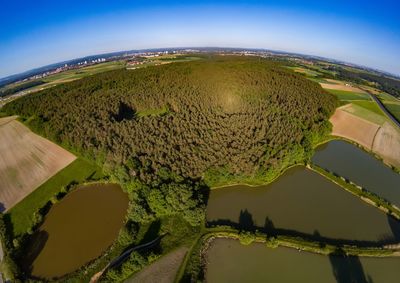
77	230
351	162
302	201
229	261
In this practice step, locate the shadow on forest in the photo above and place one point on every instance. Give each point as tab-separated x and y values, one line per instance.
246	223
8	225
2	207
347	268
125	112
152	232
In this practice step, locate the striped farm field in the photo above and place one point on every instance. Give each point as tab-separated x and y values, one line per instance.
27	160
348	95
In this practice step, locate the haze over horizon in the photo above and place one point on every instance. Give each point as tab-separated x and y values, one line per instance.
38	34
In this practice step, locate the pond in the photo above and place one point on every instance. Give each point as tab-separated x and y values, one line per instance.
301	202
77	230
229	261
351	162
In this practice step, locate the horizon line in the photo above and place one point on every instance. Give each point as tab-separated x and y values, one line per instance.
205	47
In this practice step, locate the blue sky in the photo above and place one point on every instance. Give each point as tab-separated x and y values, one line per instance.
37	33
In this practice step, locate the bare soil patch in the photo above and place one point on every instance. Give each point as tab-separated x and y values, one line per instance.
163	270
353	128
387	144
339	85
6	120
26	161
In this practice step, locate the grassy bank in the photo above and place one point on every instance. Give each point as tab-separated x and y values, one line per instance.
364	194
22	214
255	182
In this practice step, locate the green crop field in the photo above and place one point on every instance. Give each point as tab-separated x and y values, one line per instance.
387	97
348	95
307	72
84	72
371	106
369	111
67	76
320	80
394	109
21	215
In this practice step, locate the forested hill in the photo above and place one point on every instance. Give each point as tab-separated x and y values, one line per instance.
222	116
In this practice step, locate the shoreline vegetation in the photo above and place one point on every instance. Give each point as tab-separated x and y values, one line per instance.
365	195
248	237
273	179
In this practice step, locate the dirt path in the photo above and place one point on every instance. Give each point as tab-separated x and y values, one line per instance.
26	161
163	270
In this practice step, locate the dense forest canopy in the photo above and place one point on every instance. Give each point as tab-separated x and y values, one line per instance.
236	115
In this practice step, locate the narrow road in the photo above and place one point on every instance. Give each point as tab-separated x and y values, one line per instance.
118	260
383	108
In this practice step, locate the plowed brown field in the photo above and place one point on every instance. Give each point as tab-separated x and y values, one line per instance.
383	140
26	161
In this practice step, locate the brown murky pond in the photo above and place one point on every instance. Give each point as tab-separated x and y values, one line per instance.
77	230
302	201
353	163
229	261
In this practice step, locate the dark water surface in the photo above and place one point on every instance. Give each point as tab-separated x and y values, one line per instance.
77	229
351	162
305	202
229	261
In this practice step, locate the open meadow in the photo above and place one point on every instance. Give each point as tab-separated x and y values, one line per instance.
339	85
305	71
344	95
26	161
391	103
